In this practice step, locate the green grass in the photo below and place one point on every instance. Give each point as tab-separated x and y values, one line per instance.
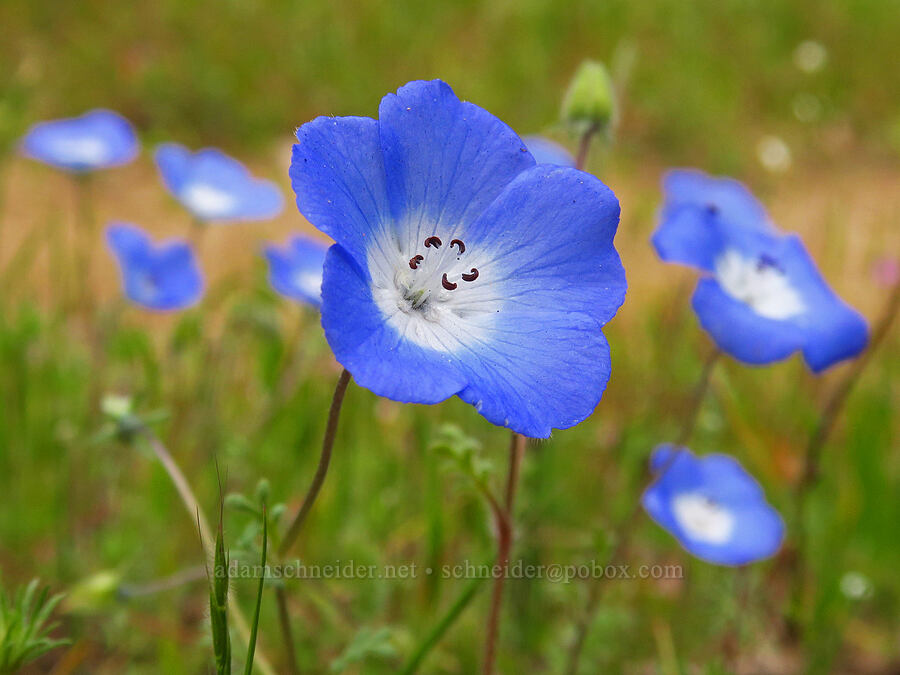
245	379
75	505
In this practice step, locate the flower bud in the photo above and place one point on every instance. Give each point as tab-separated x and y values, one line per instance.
590	99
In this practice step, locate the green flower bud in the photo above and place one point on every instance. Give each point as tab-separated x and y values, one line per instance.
590	99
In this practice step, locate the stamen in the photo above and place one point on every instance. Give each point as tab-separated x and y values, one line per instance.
712	209
414	261
433	241
472	276
446	283
462	246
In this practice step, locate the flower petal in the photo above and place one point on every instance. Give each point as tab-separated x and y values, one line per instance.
740	331
834	330
544	362
446	160
380	359
337	173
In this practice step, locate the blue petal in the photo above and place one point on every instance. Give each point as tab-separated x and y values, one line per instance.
741	332
295	271
834	330
97	140
546	151
380	359
163	277
337	173
214	186
445	160
758	530
696	209
546	363
127	241
174	164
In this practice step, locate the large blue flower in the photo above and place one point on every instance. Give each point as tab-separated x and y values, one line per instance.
161	277
761	297
546	151
295	270
97	140
715	509
461	267
213	186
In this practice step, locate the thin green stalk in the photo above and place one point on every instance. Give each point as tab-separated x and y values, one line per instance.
442	626
254	627
85	226
195	512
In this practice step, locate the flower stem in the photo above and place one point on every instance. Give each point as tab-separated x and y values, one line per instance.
700	389
84	234
195	512
287	635
437	632
628	526
504	522
813	455
584	146
334	415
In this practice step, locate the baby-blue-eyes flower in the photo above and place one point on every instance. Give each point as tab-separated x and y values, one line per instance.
761	297
98	139
161	276
461	266
295	270
546	151
712	506
213	186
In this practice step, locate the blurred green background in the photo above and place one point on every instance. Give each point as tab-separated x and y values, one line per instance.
799	98
238	72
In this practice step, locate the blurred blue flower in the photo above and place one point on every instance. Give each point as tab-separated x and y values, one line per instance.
546	151
295	270
461	267
163	276
715	509
97	140
761	298
213	186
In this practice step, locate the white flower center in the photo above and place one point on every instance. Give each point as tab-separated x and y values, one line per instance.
760	283
703	519
439	294
309	283
207	201
87	150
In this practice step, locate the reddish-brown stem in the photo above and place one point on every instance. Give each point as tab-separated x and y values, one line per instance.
503	517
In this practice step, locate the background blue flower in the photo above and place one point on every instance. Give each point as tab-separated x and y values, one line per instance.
163	276
97	140
715	509
761	298
295	270
546	151
213	186
460	266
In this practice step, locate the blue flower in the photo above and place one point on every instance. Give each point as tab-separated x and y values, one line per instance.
295	270
213	186
715	509
461	267
97	140
761	297
163	276
546	151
